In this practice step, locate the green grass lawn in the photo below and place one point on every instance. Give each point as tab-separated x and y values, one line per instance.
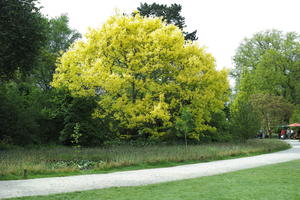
273	182
63	161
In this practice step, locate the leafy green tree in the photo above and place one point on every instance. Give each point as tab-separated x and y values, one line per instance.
144	75
267	73
269	63
221	133
170	14
25	101
59	38
22	35
185	123
295	118
273	110
60	35
244	120
19	112
75	115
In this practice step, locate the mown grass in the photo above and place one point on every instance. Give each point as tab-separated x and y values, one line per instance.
273	182
63	161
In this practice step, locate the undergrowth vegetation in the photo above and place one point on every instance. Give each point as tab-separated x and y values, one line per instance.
62	161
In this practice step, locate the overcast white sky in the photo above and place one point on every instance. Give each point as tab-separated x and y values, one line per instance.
221	24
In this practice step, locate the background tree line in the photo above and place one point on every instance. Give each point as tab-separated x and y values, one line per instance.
267	81
32	111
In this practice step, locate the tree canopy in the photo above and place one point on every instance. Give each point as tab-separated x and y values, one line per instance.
145	77
60	35
269	62
170	14
59	38
22	35
267	73
272	110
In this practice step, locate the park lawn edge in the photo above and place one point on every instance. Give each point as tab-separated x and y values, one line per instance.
210	180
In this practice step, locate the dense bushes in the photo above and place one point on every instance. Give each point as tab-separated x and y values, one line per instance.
76	113
245	122
18	114
29	115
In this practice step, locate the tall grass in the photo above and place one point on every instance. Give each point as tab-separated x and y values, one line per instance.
66	160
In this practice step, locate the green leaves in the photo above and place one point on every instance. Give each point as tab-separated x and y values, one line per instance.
245	121
59	38
267	74
273	110
269	62
22	35
60	35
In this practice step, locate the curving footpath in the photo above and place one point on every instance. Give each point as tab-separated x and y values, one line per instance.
45	186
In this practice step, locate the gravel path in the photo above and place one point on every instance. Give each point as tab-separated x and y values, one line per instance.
45	186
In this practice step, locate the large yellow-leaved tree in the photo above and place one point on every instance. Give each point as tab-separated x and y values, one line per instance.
146	77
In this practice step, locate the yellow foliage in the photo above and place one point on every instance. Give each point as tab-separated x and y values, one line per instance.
144	73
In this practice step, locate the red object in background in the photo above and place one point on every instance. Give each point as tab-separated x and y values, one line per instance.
294	125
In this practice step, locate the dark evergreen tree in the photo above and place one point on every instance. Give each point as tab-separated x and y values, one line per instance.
170	14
